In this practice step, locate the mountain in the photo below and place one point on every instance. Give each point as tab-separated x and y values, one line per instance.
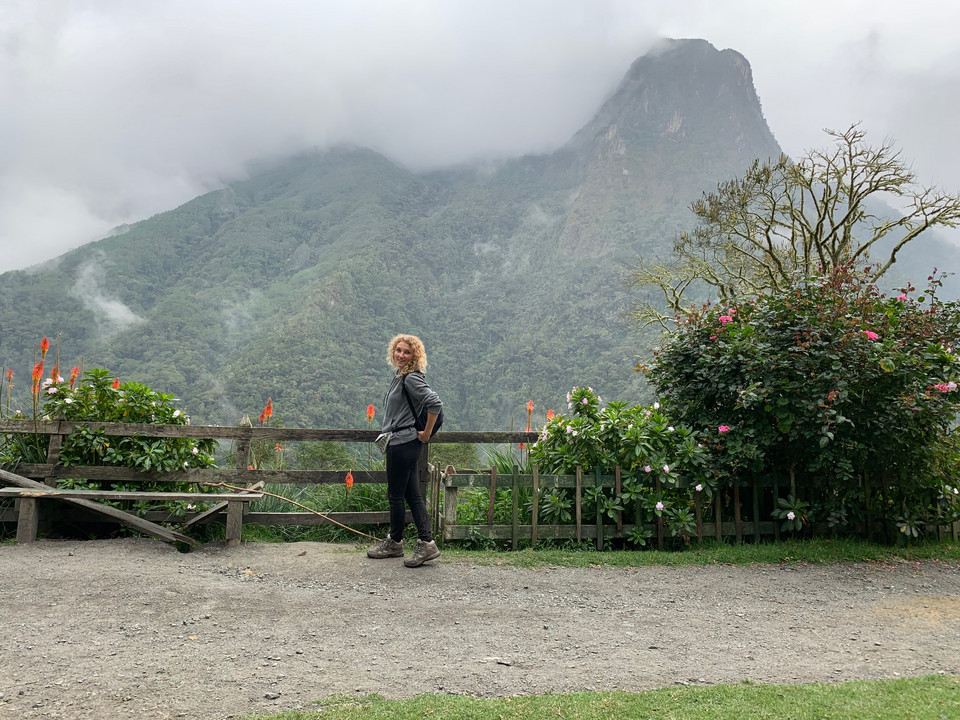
291	283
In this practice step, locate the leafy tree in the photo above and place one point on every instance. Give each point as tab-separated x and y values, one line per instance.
825	382
756	233
324	455
460	455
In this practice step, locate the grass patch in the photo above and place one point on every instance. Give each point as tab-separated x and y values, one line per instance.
924	698
789	552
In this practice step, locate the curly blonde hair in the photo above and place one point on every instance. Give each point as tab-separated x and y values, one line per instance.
419	361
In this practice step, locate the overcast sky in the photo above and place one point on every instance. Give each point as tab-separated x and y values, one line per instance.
113	110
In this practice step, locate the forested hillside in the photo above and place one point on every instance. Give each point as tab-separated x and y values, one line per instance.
290	284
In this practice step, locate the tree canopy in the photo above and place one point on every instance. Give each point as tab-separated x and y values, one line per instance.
848	204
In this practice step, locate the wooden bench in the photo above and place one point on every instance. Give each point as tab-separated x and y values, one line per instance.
28	514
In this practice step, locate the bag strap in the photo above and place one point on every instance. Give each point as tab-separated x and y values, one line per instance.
403	387
413	412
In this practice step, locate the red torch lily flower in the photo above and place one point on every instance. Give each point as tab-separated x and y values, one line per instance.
349	480
267	411
9	375
116	383
370	412
44	346
549	415
74	374
38	373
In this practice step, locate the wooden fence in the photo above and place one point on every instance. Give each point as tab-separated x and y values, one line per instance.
242	439
739	512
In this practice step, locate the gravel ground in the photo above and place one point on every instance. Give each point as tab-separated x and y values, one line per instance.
134	629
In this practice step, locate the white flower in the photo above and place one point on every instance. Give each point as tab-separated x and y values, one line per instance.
68	401
574	433
51	391
659	505
670	428
48	382
791	516
699	488
656	406
176	413
956	492
666	468
196	450
59	378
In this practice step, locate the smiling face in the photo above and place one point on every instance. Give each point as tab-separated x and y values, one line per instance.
402	355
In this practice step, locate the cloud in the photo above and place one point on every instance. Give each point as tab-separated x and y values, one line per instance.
114	110
113	314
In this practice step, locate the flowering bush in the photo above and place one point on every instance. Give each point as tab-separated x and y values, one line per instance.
643	442
100	397
827	383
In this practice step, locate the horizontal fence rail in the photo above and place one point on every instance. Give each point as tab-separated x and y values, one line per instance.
243	438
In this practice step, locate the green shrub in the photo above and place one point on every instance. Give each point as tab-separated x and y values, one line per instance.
828	385
661	463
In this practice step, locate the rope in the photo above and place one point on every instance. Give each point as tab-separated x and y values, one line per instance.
292	502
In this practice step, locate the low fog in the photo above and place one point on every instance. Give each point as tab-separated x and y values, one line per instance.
114	111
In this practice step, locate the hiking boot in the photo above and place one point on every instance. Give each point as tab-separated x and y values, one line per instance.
425	551
386	548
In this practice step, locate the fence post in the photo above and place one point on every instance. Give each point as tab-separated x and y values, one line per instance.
776	498
659	487
619	489
598	487
578	502
493	495
449	510
53	456
534	510
756	509
717	516
698	510
515	518
738	524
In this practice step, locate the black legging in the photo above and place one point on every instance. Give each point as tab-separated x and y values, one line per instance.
403	484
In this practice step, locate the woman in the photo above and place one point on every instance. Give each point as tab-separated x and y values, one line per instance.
407	355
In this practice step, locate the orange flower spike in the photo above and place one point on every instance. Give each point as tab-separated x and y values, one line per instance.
37	373
73	375
279	449
549	415
370	412
521	446
268	410
263	417
9	375
44	346
349	480
55	373
116	383
529	406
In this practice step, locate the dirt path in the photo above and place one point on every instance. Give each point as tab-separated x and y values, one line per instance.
133	629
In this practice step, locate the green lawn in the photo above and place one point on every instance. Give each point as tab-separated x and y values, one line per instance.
934	697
